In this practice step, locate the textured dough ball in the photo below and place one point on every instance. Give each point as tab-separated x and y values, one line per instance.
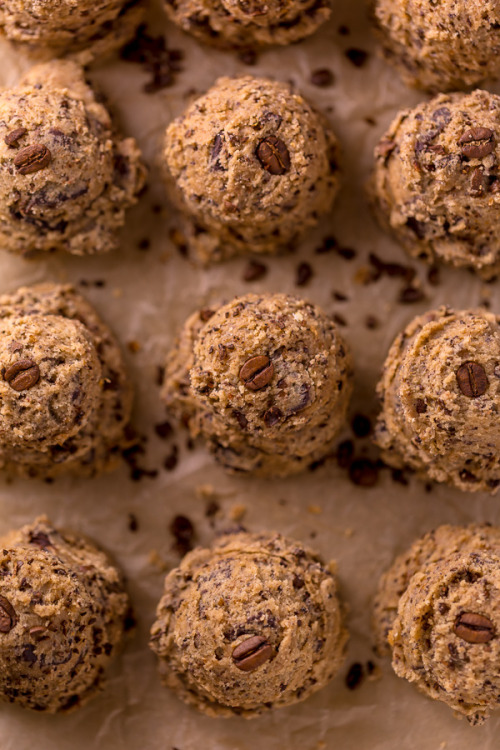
50	380
248	23
266	380
438	611
62	617
440	393
64	27
65	177
436	183
252	166
251	624
440	46
74	401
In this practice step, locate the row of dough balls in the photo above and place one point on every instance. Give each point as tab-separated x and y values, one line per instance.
252	624
435	46
265	380
251	166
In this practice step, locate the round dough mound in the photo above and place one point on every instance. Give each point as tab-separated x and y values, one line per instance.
252	165
74	418
440	46
75	198
64	26
291	419
248	23
249	586
438	608
63	357
440	393
62	617
436	184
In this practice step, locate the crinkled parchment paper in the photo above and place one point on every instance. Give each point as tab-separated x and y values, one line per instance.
146	296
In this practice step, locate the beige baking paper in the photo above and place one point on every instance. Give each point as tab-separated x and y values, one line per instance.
146	297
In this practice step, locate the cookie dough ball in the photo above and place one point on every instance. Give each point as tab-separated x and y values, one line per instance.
440	394
65	398
265	379
436	184
67	28
253	624
252	166
248	23
63	611
440	46
66	178
437	612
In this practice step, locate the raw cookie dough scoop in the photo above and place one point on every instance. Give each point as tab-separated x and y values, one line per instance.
436	184
65	399
85	29
63	610
66	178
252	166
251	624
248	23
438	613
440	393
440	46
265	379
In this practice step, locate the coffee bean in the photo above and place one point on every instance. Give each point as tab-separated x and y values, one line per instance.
8	617
474	628
477	142
12	138
32	159
22	375
472	379
272	416
273	155
257	372
252	653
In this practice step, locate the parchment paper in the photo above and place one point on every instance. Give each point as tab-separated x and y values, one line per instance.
146	297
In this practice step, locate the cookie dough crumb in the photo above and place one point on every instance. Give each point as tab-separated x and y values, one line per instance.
260	134
267	631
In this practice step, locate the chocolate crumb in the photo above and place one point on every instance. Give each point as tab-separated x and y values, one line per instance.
133	523
164	430
371	322
409	295
182	530
347	253
304	274
355	676
322	77
329	244
157	59
172	459
254	271
358	57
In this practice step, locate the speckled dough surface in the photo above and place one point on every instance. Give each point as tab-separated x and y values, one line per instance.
252	166
66	178
81	29
440	46
248	23
62	617
440	393
265	379
252	624
438	612
65	399
436	183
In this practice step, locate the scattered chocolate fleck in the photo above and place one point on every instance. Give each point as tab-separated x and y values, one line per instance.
182	530
304	274
361	426
329	244
212	508
160	375
206	314
164	430
152	53
345	452
347	253
409	295
398	476
133	523
355	676
322	77
358	57
434	276
144	244
343	30
339	296
254	271
363	472
248	56
172	459
339	320
40	539
392	270
179	241
371	322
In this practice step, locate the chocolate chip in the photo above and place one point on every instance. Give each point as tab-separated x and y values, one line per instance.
477	182
322	77
472	379
32	159
304	274
217	146
252	653
474	628
273	155
12	138
40	539
254	271
477	142
257	372
272	416
8	616
22	375
206	314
